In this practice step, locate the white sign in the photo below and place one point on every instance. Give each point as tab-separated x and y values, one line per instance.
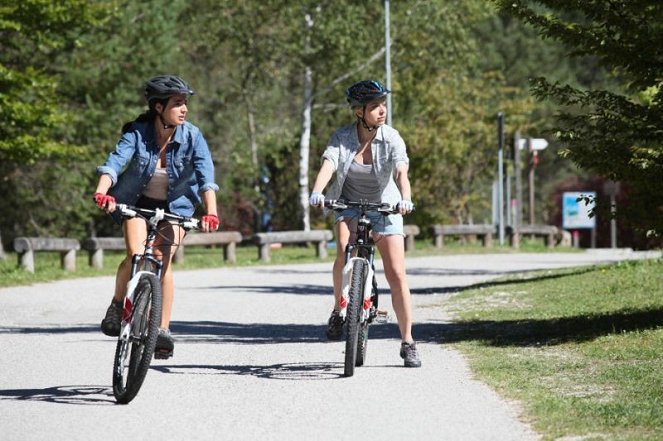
575	214
535	144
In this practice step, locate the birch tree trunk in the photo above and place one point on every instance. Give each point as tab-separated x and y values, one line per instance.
304	148
250	117
305	137
3	255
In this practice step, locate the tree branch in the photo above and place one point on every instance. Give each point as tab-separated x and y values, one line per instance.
346	75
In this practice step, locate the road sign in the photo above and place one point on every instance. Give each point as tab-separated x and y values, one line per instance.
538	144
535	144
575	214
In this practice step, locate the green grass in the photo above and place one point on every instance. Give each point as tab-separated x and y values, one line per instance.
581	350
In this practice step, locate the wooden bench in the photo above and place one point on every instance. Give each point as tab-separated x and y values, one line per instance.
549	234
227	239
265	240
95	247
410	231
484	231
26	246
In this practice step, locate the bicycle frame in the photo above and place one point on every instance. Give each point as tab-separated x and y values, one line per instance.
364	250
154	266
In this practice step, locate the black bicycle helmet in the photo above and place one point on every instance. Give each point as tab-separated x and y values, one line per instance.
363	92
164	86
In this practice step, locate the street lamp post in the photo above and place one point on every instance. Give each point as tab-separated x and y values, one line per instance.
387	57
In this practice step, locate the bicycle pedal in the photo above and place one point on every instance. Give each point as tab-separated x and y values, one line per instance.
162	354
382	316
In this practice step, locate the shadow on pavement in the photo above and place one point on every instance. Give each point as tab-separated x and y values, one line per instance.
280	371
315	290
54	329
81	395
526	278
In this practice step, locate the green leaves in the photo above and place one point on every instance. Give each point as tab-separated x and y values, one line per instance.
613	132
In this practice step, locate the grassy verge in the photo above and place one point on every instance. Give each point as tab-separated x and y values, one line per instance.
582	350
47	265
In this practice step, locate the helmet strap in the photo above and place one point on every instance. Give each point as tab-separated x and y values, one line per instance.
366	126
163	122
363	121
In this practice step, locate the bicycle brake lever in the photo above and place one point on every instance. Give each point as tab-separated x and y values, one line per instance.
125	211
191	224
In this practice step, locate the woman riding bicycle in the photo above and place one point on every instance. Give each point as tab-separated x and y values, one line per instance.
370	162
161	161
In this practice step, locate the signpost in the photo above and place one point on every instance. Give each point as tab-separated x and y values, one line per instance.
500	178
576	213
533	145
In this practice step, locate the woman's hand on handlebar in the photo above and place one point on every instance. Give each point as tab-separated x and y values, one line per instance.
317	199
105	202
209	222
405	206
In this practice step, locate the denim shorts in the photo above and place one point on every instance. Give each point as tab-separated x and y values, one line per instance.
381	224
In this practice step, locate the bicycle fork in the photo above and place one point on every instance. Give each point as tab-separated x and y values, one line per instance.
125	332
367	301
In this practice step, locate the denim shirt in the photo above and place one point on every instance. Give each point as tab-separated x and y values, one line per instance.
188	163
388	150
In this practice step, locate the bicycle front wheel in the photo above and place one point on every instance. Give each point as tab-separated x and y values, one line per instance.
362	343
362	340
133	356
353	316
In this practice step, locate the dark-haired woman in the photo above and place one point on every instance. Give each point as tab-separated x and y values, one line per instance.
161	161
369	161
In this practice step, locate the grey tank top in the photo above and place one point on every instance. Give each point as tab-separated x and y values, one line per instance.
361	184
157	187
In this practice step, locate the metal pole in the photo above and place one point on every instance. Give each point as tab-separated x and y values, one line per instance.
387	58
532	165
516	201
500	174
613	221
518	218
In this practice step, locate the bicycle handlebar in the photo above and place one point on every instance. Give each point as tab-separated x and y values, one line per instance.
129	211
381	207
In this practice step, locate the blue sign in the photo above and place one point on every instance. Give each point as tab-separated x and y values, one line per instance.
575	214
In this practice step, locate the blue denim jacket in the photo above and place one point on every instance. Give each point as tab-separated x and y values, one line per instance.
188	163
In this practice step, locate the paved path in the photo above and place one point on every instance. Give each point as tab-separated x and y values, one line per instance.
251	362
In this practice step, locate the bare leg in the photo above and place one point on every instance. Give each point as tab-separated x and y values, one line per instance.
392	250
170	237
135	233
342	238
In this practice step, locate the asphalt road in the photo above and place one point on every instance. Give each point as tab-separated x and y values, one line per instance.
251	361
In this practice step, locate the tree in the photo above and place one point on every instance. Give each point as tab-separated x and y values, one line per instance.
615	133
33	34
33	120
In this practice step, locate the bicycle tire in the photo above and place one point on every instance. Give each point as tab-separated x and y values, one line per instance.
133	357
353	317
362	343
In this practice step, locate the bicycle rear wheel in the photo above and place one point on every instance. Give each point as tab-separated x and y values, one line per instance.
353	317
133	356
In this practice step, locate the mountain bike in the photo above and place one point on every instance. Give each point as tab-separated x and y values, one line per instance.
141	314
359	301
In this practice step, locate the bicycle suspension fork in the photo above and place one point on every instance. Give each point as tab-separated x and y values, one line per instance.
369	292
